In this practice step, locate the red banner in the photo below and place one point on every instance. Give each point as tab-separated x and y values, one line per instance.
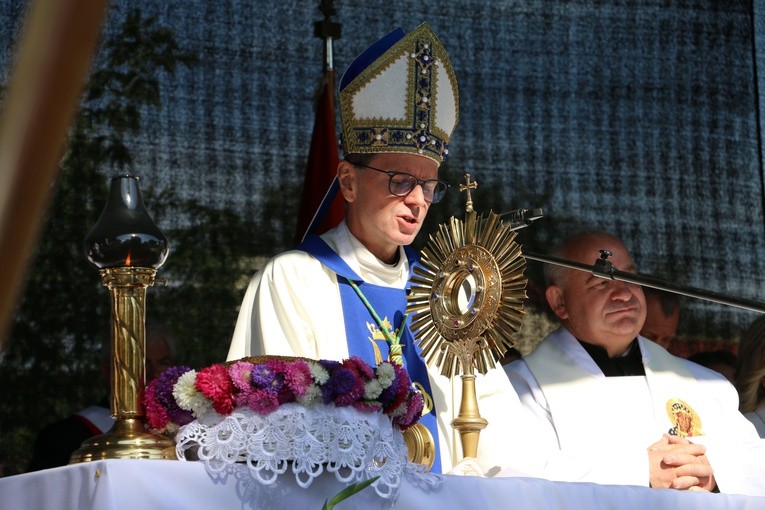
321	206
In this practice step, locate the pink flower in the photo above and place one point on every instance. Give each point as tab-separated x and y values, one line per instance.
297	376
263	401
214	383
276	365
156	415
242	398
241	375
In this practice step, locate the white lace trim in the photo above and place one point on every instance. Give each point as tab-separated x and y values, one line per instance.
353	445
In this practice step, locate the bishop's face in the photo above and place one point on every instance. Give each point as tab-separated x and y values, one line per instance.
381	220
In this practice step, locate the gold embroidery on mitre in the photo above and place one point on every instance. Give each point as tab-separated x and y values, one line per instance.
686	423
415	81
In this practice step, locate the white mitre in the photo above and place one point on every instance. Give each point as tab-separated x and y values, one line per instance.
400	95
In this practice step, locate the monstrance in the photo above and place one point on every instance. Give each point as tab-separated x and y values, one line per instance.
466	301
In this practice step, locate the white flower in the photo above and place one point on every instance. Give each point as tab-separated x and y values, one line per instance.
372	390
188	397
318	372
385	374
311	396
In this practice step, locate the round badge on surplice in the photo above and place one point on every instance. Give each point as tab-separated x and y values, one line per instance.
686	422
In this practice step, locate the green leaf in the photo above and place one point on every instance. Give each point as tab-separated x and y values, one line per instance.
348	492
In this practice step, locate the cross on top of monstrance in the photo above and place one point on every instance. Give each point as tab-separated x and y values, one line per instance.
466	188
466	301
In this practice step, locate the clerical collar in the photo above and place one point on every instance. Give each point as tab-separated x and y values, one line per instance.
629	363
366	265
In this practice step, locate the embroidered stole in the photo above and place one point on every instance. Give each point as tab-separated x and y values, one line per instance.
363	335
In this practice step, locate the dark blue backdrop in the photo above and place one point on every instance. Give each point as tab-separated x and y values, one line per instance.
639	117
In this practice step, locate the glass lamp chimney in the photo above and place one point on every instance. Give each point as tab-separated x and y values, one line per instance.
125	234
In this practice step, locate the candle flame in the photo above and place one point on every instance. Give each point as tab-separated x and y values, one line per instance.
127	260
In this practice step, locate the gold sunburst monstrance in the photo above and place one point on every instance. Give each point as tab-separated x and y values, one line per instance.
466	301
470	285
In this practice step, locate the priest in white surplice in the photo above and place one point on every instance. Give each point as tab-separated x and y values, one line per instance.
613	407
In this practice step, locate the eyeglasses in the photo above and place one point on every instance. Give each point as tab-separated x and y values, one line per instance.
401	184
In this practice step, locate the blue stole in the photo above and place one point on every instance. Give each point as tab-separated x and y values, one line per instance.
361	330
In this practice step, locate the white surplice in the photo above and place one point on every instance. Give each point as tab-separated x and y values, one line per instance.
757	417
594	428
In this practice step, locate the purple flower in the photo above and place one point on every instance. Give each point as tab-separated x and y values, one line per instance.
262	376
391	400
389	394
164	394
330	365
339	387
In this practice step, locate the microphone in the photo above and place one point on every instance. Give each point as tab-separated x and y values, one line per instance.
521	218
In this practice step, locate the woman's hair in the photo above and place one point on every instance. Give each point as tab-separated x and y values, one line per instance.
751	367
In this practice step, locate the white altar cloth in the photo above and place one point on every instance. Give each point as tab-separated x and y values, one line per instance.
179	485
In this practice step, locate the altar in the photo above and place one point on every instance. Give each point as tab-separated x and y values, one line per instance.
125	484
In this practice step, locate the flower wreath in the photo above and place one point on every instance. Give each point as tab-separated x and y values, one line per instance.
180	395
270	414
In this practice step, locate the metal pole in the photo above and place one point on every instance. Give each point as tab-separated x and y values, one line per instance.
327	30
603	269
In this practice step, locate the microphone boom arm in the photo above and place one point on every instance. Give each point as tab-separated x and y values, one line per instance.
603	269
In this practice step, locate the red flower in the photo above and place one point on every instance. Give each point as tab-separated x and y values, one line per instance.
414	406
215	383
360	367
368	406
156	416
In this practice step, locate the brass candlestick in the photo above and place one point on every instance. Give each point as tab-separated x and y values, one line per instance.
128	438
127	247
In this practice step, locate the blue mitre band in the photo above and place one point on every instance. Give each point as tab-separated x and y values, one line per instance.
370	55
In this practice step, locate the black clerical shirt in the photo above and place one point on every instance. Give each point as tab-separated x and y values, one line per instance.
629	363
